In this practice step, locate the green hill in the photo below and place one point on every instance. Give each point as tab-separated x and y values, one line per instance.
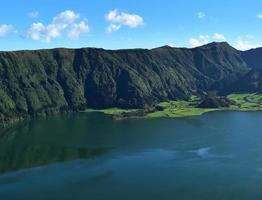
44	82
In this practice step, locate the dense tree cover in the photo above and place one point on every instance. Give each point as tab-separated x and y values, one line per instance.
59	80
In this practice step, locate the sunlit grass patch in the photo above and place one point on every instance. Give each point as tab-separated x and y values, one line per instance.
110	111
246	102
181	108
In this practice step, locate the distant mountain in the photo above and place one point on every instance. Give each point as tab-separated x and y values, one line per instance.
249	83
253	58
59	80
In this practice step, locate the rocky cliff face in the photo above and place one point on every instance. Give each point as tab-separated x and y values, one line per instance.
46	81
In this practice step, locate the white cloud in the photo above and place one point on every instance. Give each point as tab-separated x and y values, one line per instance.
259	16
204	39
33	14
201	15
118	19
112	28
66	17
5	29
218	36
171	45
67	22
194	42
244	44
77	29
35	31
201	40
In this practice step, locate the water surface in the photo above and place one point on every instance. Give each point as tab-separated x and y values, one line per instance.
89	156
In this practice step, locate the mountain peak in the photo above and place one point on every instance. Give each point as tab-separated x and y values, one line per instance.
164	47
217	44
71	80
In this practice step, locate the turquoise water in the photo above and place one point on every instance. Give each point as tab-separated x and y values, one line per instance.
89	156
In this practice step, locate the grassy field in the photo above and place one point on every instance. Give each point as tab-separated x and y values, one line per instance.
246	102
180	109
110	111
173	109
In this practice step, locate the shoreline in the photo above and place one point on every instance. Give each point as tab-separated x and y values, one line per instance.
176	109
155	114
249	102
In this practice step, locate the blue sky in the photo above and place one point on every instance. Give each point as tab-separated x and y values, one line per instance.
116	24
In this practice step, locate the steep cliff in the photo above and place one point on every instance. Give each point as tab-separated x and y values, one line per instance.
46	81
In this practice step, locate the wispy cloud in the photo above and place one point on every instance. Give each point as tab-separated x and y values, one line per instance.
218	36
113	27
259	16
245	44
5	29
201	15
118	19
204	39
201	40
33	14
67	22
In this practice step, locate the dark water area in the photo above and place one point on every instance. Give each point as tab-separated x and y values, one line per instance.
90	156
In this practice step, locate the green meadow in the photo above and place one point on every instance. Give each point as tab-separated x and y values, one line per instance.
173	109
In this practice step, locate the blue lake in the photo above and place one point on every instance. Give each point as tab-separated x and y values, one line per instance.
90	156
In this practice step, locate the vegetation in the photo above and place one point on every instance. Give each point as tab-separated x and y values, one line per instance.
170	109
246	102
249	83
215	102
44	82
110	111
181	108
242	102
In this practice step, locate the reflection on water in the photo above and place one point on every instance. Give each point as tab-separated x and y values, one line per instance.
40	142
89	156
15	157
